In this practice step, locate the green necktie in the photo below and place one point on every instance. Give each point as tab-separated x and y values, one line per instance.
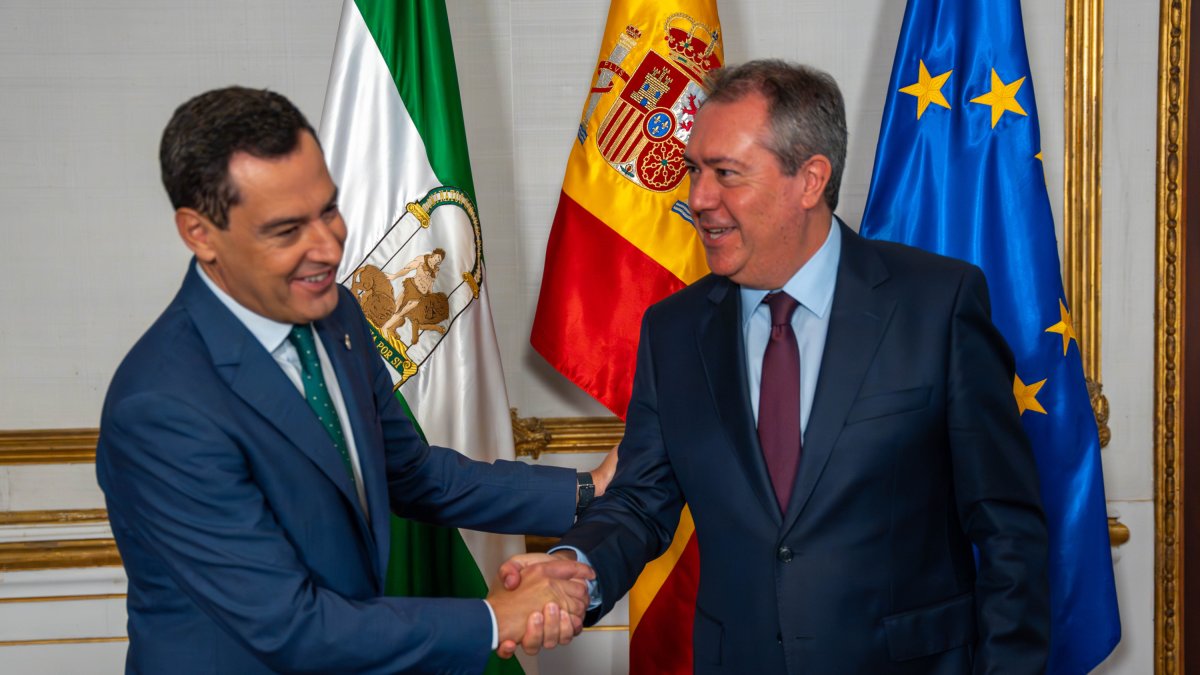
315	392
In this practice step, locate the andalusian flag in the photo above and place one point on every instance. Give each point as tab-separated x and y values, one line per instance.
959	172
622	240
393	136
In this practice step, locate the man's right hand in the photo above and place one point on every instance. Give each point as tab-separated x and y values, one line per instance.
510	571
540	603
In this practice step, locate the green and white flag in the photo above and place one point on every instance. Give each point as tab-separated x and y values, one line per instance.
393	136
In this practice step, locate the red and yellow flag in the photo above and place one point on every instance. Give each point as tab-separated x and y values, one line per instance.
622	240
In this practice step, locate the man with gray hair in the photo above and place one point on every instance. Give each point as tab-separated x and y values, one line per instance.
838	415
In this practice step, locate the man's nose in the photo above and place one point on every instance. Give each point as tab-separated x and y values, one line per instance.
702	193
324	243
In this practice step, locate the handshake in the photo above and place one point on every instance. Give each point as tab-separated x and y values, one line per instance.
539	601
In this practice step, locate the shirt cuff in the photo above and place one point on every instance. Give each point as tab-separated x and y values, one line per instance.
593	585
495	626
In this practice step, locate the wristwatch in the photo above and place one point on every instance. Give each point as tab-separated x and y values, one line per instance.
587	491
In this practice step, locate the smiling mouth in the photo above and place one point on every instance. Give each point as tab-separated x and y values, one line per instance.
708	234
316	282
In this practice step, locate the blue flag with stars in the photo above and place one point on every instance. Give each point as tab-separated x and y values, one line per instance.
958	172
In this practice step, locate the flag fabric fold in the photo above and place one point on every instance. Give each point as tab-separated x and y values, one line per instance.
394	139
623	239
958	171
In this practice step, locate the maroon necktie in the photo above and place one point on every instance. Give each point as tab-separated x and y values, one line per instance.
779	398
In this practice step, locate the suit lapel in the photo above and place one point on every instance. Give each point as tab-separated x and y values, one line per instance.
254	376
724	356
354	384
858	318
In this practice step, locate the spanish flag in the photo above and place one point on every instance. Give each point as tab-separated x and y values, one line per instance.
622	240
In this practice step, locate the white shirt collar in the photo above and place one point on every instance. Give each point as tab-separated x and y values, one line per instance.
269	332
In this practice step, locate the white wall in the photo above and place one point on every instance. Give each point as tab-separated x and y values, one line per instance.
1128	212
89	255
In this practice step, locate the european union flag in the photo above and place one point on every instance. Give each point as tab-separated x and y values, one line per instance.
958	171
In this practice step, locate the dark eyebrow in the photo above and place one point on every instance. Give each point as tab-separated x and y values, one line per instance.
288	221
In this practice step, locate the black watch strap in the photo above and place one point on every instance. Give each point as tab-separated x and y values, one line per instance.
587	491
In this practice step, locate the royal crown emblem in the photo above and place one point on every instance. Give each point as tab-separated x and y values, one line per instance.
647	127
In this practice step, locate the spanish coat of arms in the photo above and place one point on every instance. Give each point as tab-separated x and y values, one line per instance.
647	127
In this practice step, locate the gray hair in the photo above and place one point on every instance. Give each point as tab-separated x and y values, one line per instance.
805	108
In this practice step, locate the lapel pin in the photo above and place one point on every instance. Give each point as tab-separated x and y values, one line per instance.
347	339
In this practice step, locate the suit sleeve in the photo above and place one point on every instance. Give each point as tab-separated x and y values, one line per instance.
439	485
183	489
634	521
997	491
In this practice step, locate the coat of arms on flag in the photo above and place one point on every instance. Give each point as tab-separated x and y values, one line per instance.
648	125
416	280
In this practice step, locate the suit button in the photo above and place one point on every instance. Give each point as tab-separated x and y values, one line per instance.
784	554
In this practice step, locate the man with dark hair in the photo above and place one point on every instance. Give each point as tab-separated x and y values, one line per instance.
838	415
251	447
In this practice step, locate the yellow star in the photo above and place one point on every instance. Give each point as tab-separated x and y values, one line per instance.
1064	327
1038	156
1027	395
1002	97
928	90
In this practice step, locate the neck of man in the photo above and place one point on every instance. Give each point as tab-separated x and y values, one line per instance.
214	274
816	231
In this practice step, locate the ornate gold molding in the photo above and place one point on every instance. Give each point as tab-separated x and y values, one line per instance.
533	435
1083	98
1173	70
63	598
56	553
1083	89
1118	532
77	517
48	446
1100	410
59	554
62	641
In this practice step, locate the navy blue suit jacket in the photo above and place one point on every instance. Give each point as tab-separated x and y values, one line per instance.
245	545
913	452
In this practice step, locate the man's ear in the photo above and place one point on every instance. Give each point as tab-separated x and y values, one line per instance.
815	173
195	230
